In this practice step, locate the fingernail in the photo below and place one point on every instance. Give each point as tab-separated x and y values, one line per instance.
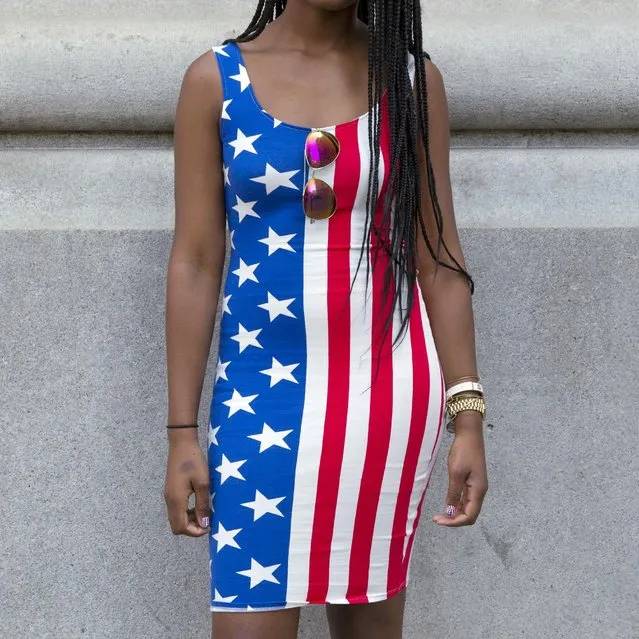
451	510
205	522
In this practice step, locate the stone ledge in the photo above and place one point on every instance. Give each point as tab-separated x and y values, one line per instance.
484	139
502	71
240	11
493	188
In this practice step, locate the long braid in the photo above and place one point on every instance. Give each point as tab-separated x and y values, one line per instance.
422	89
266	12
395	30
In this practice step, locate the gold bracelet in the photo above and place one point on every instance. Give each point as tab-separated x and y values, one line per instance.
466	403
464	394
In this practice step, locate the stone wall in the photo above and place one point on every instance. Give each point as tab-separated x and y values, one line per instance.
544	101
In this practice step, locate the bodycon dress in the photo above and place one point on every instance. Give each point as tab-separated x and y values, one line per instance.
322	434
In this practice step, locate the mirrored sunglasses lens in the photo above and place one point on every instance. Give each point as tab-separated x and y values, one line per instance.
319	200
322	148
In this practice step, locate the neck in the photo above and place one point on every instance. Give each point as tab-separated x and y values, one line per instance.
315	30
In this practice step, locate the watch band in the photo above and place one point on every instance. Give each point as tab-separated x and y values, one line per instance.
464	386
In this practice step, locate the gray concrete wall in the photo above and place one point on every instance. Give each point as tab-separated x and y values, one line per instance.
545	110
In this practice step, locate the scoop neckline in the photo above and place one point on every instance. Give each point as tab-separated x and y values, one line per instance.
290	125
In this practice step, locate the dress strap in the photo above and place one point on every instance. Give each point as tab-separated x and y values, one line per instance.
411	69
232	71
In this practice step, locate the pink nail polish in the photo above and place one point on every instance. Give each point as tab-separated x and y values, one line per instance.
451	510
205	522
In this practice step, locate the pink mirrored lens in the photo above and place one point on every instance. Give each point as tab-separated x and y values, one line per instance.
319	200
322	148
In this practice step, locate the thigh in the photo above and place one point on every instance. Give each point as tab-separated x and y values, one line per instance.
278	624
379	620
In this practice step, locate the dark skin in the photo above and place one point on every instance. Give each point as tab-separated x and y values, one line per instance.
320	51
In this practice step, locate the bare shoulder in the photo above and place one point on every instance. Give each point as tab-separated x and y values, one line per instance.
435	85
438	119
202	85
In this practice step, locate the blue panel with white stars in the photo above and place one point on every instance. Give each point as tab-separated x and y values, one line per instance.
259	391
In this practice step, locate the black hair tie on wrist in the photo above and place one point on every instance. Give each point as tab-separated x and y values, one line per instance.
182	425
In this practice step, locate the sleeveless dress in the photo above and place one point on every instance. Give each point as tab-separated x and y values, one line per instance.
321	445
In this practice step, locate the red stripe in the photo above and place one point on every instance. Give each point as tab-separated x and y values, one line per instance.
381	411
418	422
339	321
409	547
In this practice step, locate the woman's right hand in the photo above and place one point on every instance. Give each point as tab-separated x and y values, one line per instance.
187	472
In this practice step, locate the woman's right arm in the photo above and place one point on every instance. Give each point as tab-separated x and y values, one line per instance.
193	285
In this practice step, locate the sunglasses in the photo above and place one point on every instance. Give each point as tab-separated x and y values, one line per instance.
319	199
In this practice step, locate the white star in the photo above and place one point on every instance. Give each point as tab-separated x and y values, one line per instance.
221	50
225	106
232	245
276	122
245	272
230	469
262	505
238	403
241	77
258	573
277	307
245	209
246	338
225	303
218	597
226	537
278	372
212	438
269	437
244	143
220	371
226	175
276	242
273	179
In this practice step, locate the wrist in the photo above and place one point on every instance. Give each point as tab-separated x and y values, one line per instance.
181	435
468	421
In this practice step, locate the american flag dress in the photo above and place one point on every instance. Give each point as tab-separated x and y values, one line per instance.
320	445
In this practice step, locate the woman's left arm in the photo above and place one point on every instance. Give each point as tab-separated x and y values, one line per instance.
448	302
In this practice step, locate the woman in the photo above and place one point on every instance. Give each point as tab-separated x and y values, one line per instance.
347	330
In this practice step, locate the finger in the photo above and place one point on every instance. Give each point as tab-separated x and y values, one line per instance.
202	502
176	507
472	502
463	501
192	527
182	519
460	519
454	493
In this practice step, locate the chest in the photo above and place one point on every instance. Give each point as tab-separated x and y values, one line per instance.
309	91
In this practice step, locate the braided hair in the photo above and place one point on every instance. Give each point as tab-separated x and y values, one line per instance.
394	31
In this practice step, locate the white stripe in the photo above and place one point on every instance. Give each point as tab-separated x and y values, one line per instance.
400	430
312	427
358	393
402	410
426	460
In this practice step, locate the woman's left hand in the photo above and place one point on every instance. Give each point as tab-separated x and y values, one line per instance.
467	474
